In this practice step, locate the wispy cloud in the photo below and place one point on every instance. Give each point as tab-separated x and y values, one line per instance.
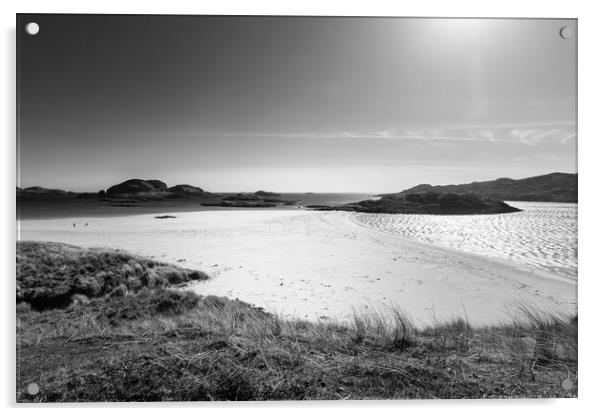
522	134
536	136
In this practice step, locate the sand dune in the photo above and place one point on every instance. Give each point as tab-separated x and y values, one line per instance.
319	265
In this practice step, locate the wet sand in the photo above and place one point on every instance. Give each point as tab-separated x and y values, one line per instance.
543	235
321	265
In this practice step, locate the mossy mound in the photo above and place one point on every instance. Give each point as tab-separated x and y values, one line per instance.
49	275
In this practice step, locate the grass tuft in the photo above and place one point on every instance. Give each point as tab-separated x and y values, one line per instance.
49	275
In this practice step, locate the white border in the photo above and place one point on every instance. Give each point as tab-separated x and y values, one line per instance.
590	288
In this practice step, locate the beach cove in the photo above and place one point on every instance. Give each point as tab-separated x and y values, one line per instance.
322	265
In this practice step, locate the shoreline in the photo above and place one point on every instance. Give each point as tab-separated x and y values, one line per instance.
254	256
537	272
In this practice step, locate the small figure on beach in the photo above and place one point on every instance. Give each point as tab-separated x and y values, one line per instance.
86	225
73	225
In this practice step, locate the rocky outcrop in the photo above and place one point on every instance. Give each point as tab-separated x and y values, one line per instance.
265	194
259	199
186	190
243	197
137	187
39	191
151	189
426	203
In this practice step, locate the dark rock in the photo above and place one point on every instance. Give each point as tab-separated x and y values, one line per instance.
242	197
264	194
426	203
39	191
240	204
137	186
186	190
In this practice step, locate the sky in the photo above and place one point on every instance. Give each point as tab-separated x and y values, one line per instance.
293	104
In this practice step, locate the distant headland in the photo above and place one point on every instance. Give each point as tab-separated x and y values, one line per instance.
553	187
472	198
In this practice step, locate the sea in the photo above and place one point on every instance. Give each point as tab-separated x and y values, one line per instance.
543	235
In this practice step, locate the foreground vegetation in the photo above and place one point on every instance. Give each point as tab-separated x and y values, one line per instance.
53	275
155	343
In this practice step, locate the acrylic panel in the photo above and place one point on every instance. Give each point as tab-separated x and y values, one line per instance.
295	208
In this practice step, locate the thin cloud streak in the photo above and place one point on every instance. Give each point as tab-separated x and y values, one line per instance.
531	137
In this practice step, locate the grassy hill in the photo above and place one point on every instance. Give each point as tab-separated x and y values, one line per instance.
554	187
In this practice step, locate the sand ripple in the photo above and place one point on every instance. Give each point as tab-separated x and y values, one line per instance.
544	235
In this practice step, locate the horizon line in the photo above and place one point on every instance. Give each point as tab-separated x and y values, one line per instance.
297	192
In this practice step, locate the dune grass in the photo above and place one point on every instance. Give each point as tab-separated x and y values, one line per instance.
51	275
163	344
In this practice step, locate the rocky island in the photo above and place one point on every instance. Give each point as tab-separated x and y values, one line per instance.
259	199
425	203
151	189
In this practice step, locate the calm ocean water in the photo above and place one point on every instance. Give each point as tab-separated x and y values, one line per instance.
74	207
544	235
326	199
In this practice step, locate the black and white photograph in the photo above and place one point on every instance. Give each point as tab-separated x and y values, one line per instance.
284	208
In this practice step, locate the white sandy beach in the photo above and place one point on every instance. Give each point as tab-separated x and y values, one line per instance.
318	265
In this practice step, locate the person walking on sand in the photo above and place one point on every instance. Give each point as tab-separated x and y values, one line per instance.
73	225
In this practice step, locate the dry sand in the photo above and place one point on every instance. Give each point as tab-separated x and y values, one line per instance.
319	265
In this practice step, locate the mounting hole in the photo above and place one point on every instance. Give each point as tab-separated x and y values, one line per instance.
566	32
33	389
32	28
567	384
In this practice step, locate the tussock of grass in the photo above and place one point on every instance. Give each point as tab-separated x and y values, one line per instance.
49	275
160	344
